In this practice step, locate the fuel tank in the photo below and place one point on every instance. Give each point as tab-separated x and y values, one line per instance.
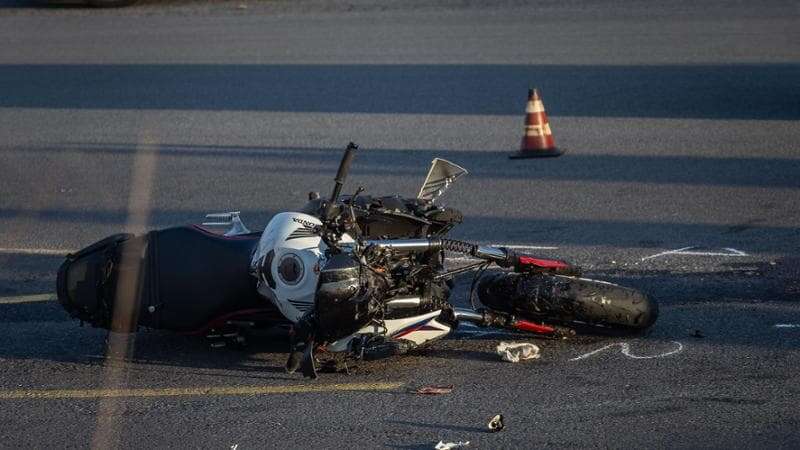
288	260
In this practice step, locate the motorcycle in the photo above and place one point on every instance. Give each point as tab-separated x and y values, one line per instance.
357	276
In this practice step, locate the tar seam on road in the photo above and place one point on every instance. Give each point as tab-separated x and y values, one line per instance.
33	298
52	394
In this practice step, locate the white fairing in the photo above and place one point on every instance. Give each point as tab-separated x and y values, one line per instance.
290	235
417	329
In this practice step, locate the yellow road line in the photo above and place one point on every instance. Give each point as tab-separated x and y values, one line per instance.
27	299
36	251
205	391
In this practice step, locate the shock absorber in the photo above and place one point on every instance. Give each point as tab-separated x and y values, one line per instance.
498	255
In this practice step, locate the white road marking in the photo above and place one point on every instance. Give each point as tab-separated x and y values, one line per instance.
687	251
787	325
27	299
625	349
36	251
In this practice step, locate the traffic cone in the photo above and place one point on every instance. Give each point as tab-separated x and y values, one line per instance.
538	139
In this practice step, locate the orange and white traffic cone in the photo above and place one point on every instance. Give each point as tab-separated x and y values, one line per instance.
538	139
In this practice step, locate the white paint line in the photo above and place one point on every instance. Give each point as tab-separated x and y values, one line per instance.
27	299
686	251
36	251
787	325
625	349
668	252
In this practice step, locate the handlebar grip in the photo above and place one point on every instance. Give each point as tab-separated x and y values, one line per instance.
344	166
341	175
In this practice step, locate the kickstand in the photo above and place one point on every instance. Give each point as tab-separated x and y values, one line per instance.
308	367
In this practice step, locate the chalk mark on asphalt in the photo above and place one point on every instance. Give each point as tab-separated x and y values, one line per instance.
687	251
625	349
52	394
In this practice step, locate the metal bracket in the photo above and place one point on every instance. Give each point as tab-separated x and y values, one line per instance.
231	219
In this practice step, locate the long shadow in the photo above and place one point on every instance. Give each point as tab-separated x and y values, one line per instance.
56	337
732	91
651	169
580	232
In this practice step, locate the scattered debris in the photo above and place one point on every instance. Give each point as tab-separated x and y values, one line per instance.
517	351
435	390
450	445
697	334
496	424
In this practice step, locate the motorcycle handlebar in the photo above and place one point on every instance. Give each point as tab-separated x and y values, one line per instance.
341	176
344	168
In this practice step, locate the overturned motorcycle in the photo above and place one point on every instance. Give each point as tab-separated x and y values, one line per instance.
356	276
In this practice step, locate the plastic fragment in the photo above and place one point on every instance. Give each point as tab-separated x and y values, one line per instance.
435	390
450	445
496	424
517	351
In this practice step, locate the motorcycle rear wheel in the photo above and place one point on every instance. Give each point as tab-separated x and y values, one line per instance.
571	301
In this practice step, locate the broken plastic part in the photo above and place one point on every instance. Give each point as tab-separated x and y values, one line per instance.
450	445
496	424
517	351
435	390
441	176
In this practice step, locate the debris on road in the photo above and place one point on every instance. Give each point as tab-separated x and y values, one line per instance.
697	334
435	390
496	424
450	445
517	351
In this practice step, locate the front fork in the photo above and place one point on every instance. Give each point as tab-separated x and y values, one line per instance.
496	319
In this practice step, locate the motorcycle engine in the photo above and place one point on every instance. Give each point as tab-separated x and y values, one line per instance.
348	297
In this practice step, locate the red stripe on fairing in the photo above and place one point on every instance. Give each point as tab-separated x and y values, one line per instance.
422	328
413	328
545	263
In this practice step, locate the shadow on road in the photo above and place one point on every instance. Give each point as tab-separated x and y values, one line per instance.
649	169
568	232
737	91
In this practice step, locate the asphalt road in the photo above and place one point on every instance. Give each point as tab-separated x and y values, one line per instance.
681	124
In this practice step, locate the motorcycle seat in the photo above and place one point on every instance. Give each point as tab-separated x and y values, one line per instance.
197	275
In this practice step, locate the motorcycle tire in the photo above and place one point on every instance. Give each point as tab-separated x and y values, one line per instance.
568	300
